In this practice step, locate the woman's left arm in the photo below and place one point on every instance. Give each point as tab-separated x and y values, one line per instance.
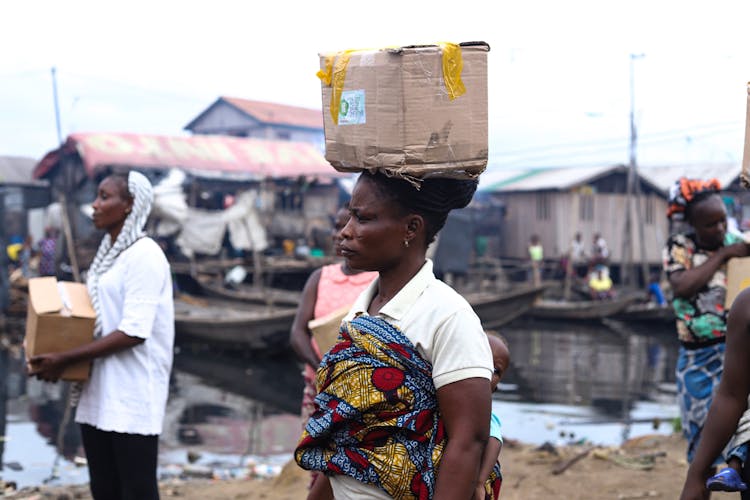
465	408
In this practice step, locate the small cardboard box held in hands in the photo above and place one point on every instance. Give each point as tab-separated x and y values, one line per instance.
59	317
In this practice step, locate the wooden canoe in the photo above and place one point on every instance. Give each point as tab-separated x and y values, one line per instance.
251	326
579	310
499	308
213	286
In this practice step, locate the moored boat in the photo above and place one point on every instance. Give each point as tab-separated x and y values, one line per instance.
581	309
648	312
499	308
214	286
230	323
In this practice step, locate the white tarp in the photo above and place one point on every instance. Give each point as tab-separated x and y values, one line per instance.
170	204
204	232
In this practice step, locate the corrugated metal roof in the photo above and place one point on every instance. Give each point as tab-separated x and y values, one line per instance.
17	170
536	179
663	177
278	114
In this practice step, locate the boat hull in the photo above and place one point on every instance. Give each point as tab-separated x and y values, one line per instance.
498	309
232	323
579	310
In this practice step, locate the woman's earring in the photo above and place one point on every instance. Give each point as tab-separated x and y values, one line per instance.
406	243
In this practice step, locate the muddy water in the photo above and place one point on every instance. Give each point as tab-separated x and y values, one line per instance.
230	413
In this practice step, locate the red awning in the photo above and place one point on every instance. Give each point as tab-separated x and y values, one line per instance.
201	155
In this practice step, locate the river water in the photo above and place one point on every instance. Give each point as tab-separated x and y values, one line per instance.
230	414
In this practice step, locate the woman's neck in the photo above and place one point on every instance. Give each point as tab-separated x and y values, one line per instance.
114	233
392	280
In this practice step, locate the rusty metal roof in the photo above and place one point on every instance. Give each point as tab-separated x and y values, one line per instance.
201	155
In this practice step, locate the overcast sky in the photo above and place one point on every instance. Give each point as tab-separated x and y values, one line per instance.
559	71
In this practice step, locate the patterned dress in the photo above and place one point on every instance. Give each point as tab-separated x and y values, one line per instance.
376	418
701	329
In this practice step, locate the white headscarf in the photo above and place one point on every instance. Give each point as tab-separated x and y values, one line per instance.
142	192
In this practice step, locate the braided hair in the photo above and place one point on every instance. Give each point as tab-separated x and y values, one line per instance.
433	200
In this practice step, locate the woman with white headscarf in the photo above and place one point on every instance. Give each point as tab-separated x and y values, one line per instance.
121	406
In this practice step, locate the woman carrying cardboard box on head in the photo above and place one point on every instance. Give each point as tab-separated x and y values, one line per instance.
695	264
404	400
121	406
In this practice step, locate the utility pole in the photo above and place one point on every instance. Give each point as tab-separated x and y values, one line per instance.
633	196
68	230
57	106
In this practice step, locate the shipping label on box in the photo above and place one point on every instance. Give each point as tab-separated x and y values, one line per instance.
738	278
59	317
413	111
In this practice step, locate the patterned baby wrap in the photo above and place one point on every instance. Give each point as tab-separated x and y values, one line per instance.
376	417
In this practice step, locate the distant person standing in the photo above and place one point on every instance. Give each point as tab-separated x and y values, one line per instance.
536	256
47	249
577	256
600	251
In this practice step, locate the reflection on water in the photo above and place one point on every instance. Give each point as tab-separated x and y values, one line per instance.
601	382
589	363
567	382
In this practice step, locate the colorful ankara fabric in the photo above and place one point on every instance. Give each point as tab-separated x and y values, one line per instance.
701	318
683	191
698	375
376	419
335	290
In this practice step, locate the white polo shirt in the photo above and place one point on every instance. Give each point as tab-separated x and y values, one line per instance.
445	330
127	391
439	322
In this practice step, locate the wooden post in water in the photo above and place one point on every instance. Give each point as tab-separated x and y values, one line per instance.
70	243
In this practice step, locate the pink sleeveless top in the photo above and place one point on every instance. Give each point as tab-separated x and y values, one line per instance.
336	289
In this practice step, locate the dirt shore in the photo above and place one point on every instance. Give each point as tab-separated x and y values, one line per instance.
651	466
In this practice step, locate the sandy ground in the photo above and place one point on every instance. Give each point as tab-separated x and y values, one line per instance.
646	467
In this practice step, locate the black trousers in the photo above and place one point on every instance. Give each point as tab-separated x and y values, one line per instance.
121	466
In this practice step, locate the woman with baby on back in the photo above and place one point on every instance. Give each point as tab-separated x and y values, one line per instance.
403	404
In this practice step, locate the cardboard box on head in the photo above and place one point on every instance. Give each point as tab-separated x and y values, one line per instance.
59	317
412	111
